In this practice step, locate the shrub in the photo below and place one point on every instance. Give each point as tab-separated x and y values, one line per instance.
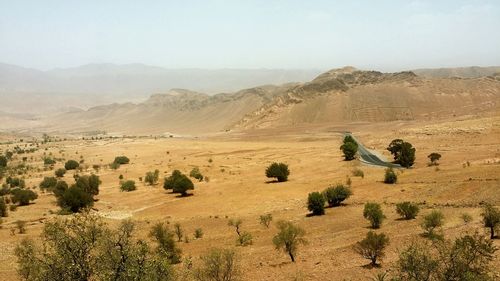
21	226
265	220
60	188
432	221
48	161
128	185
195	173
15	182
403	152
89	184
152	177
467	218
336	195
279	171
71	165
178	182
22	196
75	199
198	233
3	161
316	203
407	210
288	238
48	183
349	148
358	173
390	176
60	172
3	207
166	246
491	218
178	231
121	160
120	177
434	158
372	247
244	238
218	265
373	213
114	165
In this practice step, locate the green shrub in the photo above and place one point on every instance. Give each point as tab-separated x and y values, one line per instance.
60	188
121	160
15	182
279	171
316	203
60	172
265	220
198	233
407	210
128	185
22	196
432	221
71	165
336	195
3	207
390	176
48	183
178	182
373	213
372	247
152	177
195	173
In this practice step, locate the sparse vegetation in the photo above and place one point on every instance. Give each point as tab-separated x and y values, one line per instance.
432	221
407	210
373	213
336	195
289	238
279	171
316	203
491	219
390	176
372	247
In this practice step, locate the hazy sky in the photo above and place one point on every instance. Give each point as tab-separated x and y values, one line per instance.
384	35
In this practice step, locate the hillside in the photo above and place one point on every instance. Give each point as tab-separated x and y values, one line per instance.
464	72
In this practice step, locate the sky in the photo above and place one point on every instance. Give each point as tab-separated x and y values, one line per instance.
213	34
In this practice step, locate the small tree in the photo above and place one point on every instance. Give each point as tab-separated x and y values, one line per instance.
349	148
48	183
491	218
279	171
434	158
218	265
179	183
336	195
403	152
372	247
167	247
407	210
432	221
128	185
265	220
121	160
244	238
316	203
178	231
152	177
195	173
71	165
373	213
390	176
288	238
60	172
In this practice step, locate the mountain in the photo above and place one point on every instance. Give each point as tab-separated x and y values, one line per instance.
24	89
463	72
337	96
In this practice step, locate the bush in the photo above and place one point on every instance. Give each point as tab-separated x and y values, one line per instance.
15	182
23	196
403	152
127	186
195	173
434	158
166	246
432	221
3	161
316	203
114	166
48	183
121	160
21	226
89	184
218	265
178	182
48	161
358	173
178	231
279	171
373	213
467	218
60	188
288	238
407	210
60	172
491	218
3	208
349	148
372	247
152	177
336	195
198	233
75	199
71	165
265	220
244	238
390	176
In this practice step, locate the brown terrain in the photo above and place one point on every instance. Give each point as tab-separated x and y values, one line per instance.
232	138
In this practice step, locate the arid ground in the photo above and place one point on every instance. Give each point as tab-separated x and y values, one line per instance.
468	175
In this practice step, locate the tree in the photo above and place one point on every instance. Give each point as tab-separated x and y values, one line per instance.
244	238
266	219
336	195
89	184
71	165
75	199
349	148
218	265
60	172
434	158
491	218
166	246
390	176
128	185
121	160
152	177
432	221
373	213
279	171
195	173
372	247
3	161
416	263
288	238
22	196
316	203
407	210
395	148
48	183
403	152
179	183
